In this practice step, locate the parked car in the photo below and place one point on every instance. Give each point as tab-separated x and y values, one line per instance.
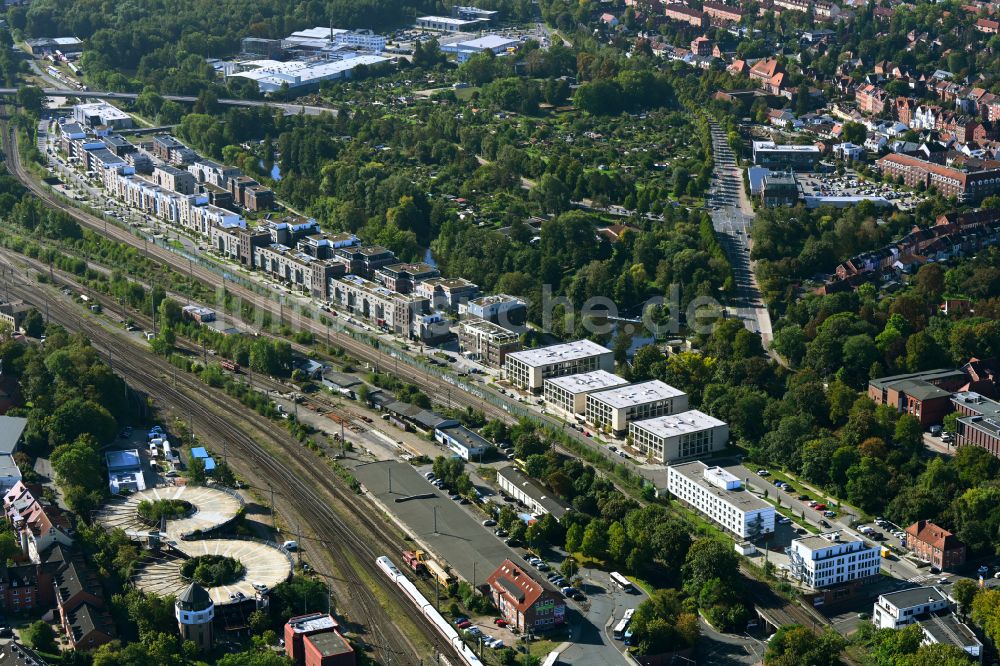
489	522
763	472
829	514
500	622
983	570
460	620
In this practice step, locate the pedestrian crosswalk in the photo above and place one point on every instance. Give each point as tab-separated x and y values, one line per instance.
922	578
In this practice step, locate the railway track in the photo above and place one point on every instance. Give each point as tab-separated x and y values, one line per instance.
429	383
355	553
354	348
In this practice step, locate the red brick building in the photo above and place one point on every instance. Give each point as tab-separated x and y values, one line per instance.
925	395
721	14
967	185
935	544
315	640
524	602
683	13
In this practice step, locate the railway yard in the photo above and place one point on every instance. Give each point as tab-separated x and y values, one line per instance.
340	542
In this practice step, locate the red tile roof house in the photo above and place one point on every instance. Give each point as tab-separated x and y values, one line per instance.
524	602
935	544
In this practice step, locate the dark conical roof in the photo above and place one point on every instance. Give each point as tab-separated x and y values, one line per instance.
194	598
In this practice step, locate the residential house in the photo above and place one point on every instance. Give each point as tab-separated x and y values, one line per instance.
934	544
527	605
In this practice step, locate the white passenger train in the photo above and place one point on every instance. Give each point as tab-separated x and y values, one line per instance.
427	609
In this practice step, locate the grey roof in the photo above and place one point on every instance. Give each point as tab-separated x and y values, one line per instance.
15	654
402	408
469	439
429	419
533	490
915	596
86	619
341	379
194	597
11	429
928	376
948	629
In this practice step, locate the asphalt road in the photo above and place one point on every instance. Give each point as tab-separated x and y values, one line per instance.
731	218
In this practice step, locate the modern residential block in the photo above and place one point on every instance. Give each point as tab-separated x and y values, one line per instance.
667	439
569	393
616	407
528	369
720	496
834	558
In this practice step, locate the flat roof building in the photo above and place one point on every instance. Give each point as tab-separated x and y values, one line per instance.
102	113
720	496
488	342
569	393
614	408
930	608
674	437
125	471
271	76
496	44
525	490
449	24
785	156
528	369
464	442
503	309
834	558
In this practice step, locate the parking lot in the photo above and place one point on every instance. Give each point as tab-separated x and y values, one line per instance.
850	185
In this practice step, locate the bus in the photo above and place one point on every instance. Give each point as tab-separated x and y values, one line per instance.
621	581
622	626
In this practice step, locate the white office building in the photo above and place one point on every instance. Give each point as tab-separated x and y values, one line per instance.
101	114
930	608
834	558
898	609
615	408
569	393
528	369
364	40
271	75
668	439
721	497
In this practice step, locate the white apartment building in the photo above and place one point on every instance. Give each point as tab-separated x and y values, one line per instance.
528	369
615	408
569	393
666	439
834	558
720	496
